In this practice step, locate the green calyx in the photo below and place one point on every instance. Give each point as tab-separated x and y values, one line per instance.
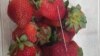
20	43
76	19
36	3
66	3
80	52
12	48
44	35
23	41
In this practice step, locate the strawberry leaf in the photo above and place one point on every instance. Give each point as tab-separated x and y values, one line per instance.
21	46
37	3
23	38
44	35
18	40
12	48
80	52
76	19
78	6
66	3
28	43
54	37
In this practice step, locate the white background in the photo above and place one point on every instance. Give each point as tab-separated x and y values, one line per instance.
87	38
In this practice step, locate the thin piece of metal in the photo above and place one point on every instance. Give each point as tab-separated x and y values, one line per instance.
62	28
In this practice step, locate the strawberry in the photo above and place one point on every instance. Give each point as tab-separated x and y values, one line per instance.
72	49
29	30
46	51
76	19
55	23
48	9
20	11
22	47
28	51
58	49
17	33
67	36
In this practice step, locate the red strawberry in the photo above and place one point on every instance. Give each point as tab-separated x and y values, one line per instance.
48	9
22	47
46	51
20	11
72	49
67	36
58	49
27	51
29	30
17	33
55	23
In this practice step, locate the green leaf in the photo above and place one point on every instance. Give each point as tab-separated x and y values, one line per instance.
33	19
53	37
45	30
49	33
42	42
28	43
78	6
12	48
84	19
80	52
76	27
67	22
21	46
66	3
37	3
82	25
18	40
23	38
70	26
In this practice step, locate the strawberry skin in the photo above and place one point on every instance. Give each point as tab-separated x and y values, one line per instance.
55	23
28	51
58	49
67	36
17	33
72	49
48	9
46	50
20	11
29	30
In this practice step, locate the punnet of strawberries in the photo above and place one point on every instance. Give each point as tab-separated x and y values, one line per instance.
45	28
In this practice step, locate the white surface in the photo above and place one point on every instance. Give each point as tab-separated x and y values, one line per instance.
86	38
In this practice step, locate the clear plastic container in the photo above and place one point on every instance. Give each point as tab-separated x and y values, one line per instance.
87	38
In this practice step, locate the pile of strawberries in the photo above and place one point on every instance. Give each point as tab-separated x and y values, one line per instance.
45	28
